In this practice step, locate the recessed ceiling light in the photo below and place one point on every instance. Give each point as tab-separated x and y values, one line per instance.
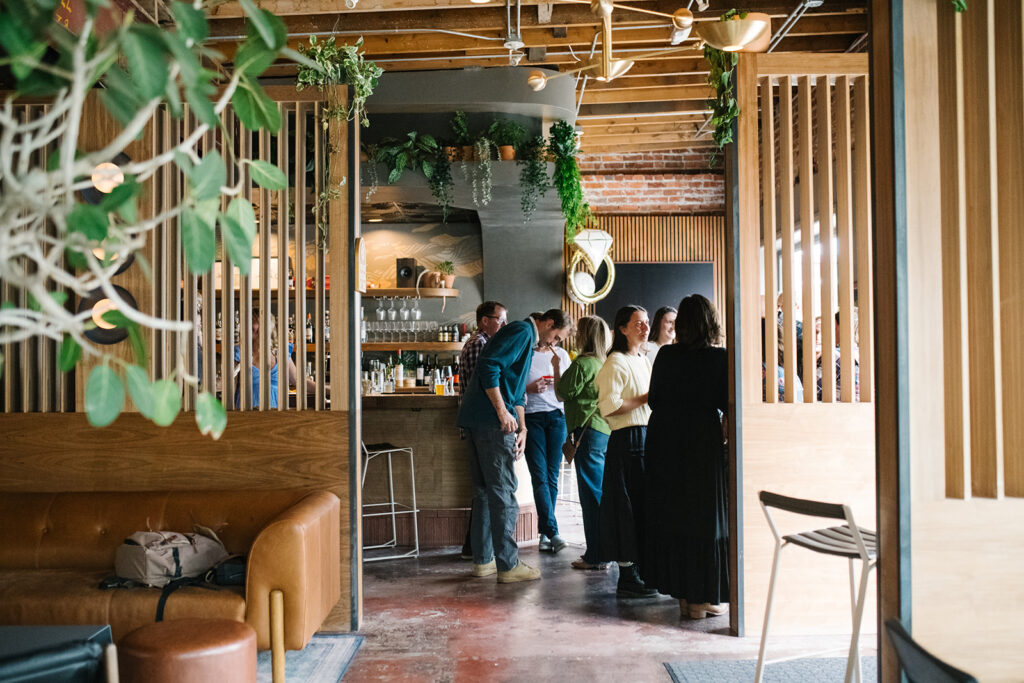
479	2
374	220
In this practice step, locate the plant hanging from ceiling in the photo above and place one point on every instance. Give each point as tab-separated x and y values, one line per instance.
58	238
567	179
344	64
481	172
533	175
721	78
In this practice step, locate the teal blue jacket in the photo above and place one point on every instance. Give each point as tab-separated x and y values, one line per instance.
504	363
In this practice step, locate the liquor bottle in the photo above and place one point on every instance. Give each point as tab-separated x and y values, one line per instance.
419	370
399	369
456	371
309	328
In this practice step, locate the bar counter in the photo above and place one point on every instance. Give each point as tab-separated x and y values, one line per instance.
426	423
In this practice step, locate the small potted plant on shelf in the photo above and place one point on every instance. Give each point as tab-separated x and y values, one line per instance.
447	271
506	135
460	128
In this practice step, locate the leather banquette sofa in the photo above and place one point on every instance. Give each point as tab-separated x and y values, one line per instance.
56	548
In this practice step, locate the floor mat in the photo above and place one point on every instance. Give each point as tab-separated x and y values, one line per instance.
324	659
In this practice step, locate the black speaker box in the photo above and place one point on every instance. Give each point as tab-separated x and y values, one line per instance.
405	272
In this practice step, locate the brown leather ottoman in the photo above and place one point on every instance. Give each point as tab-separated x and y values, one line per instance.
189	651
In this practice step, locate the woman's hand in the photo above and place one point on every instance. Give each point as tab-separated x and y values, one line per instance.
539	385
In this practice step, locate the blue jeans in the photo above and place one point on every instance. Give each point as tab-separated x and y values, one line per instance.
495	510
589	462
545	434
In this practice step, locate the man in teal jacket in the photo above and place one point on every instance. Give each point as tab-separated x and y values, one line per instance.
492	414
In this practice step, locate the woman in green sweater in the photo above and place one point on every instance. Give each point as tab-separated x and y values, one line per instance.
577	390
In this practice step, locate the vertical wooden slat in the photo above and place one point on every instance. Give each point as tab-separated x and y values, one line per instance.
748	235
954	236
786	221
283	226
805	131
844	227
245	294
862	225
823	104
227	289
980	136
769	331
302	116
189	296
1009	45
266	364
208	344
338	267
319	264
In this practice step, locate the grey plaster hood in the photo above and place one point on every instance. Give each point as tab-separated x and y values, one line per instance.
502	90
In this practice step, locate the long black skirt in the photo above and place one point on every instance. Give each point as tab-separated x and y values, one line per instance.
622	496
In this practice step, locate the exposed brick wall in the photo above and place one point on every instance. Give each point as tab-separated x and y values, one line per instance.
676	182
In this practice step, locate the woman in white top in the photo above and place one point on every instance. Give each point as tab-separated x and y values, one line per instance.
663	331
622	386
545	434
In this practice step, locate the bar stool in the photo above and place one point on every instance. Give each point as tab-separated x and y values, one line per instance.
392	508
848	540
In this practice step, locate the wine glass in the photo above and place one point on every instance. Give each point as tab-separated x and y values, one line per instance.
379	312
416	312
392	313
403	312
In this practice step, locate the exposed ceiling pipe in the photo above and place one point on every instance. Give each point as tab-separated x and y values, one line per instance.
791	20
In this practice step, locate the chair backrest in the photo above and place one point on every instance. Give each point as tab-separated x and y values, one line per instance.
802	506
918	664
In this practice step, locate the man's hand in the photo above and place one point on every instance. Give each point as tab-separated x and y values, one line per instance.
520	443
508	421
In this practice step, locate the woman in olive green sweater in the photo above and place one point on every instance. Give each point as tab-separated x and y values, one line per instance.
578	391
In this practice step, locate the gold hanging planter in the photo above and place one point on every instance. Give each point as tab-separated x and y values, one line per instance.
750	34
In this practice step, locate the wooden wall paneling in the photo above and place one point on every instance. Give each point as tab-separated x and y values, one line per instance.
283	224
165	271
768	209
980	137
245	292
863	236
748	186
302	113
954	253
823	110
786	181
847	247
796	64
229	126
1009	45
265	242
208	300
805	132
318	260
339	263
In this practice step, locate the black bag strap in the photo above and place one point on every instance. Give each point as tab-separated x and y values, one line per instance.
172	586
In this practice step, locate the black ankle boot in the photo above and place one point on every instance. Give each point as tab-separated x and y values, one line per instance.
630	584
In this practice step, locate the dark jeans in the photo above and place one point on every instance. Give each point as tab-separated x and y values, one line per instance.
589	463
495	510
545	434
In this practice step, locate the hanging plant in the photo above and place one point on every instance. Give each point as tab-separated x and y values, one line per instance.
341	65
442	187
481	172
533	176
960	5
567	179
724	109
416	152
460	128
372	177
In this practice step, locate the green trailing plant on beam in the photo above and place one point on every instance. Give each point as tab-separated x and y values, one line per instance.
340	64
422	153
481	171
567	179
721	77
460	128
960	5
533	175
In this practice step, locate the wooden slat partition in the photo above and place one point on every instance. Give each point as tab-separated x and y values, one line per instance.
808	449
661	239
981	115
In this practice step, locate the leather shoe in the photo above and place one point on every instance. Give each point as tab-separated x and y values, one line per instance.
631	585
706	609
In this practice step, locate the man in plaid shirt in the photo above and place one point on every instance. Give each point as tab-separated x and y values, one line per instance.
491	316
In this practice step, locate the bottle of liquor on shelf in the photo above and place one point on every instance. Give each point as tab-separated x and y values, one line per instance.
309	328
455	376
456	337
419	370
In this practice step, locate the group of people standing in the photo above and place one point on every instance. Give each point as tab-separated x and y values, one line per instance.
649	445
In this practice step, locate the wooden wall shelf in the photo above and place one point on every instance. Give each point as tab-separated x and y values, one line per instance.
425	292
412	346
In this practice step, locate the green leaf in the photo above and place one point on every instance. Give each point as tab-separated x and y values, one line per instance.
166	402
253	57
191	21
271	29
140	390
76	258
122	200
145	53
104	396
254	108
183	162
138	342
70	353
91	221
207	179
210	415
120	107
198	238
267	176
238	228
173	98
201	105
184	57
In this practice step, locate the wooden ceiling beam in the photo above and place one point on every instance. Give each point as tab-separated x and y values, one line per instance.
640	139
619	121
635	108
662	94
646	147
681	126
623	83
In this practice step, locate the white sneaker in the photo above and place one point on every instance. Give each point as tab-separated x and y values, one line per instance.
520	572
485	569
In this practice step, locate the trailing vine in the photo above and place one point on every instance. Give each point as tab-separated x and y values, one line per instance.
340	64
960	5
442	187
724	109
533	176
481	172
567	179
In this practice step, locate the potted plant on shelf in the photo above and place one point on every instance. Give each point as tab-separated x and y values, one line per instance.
533	175
420	152
506	135
460	128
447	272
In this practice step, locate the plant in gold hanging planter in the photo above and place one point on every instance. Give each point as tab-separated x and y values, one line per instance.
721	77
567	179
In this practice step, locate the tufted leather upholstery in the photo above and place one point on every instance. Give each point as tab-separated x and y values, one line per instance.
58	546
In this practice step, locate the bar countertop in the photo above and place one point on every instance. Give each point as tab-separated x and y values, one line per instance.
409	401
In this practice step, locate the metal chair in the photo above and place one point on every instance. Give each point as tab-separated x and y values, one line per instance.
393	508
848	540
918	664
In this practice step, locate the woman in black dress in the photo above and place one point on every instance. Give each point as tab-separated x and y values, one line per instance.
686	544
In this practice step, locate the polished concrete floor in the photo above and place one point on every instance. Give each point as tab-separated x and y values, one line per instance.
427	619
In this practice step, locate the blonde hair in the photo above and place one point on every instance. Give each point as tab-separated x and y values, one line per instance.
593	337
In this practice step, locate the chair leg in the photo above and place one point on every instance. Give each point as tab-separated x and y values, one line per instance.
853	614
415	510
277	636
110	663
391	500
853	661
758	676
